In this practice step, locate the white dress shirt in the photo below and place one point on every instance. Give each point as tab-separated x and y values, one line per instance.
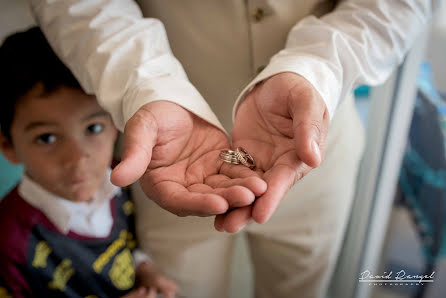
126	60
91	219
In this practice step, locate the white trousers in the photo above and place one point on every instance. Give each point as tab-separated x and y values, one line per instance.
293	254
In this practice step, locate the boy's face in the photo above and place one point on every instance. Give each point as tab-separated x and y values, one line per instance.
65	141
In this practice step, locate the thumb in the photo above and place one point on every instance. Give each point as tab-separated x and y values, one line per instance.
151	293
310	126
140	134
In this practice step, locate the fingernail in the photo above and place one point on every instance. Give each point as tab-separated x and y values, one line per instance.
250	221
241	228
317	151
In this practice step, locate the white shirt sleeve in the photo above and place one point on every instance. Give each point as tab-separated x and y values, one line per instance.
360	42
116	54
140	257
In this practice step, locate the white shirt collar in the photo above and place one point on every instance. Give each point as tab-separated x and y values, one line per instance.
60	211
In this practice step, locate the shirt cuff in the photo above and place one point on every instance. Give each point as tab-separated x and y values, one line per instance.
140	257
314	69
172	89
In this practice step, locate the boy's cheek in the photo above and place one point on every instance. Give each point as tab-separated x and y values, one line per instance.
8	150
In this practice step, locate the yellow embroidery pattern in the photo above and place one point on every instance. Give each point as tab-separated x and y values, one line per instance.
122	273
91	296
4	293
105	257
131	243
41	254
128	207
61	275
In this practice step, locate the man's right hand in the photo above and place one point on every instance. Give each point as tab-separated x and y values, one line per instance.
175	155
283	123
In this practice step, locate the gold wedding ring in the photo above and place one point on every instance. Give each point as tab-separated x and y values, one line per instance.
229	157
239	156
245	158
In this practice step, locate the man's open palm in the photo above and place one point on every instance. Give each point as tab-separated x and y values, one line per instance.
283	124
174	154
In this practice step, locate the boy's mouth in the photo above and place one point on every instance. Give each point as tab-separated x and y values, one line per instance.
78	181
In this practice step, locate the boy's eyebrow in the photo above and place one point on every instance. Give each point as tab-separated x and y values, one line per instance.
95	114
35	124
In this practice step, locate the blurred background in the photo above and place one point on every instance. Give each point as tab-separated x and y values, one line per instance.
398	221
415	238
14	16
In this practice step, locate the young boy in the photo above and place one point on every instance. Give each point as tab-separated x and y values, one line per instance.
65	230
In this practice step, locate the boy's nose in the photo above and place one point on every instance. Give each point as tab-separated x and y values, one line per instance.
74	154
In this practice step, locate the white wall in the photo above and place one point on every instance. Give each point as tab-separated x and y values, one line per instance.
437	48
15	16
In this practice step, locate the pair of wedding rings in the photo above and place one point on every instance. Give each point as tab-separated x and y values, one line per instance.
239	156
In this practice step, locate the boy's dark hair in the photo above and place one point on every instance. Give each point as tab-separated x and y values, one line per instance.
27	59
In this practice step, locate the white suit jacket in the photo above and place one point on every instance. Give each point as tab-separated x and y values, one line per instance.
126	59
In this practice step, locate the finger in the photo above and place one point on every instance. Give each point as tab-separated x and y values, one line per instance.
240	175
175	198
255	184
140	135
279	179
167	287
237	219
169	294
138	293
237	171
236	196
310	125
151	293
219	222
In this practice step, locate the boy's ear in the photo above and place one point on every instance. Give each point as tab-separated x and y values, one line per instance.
8	150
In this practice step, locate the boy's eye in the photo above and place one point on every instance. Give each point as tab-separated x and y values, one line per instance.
95	128
46	138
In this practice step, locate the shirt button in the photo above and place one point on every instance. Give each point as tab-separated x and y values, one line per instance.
258	14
